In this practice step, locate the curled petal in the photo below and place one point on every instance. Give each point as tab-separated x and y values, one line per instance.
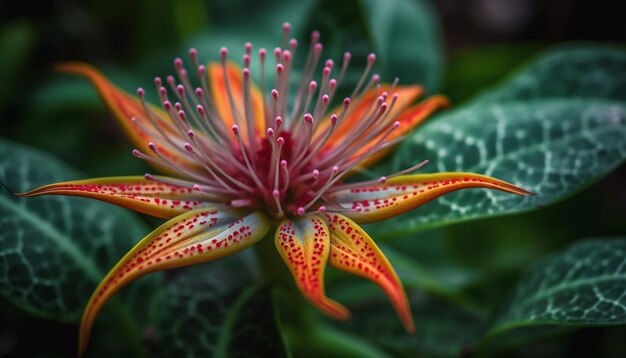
403	193
125	107
220	90
353	251
133	192
197	236
304	245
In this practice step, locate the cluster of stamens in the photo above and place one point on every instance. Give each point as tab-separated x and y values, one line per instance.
287	169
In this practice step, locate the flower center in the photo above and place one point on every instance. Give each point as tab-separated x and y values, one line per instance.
267	152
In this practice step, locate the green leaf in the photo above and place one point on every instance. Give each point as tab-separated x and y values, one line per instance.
213	311
567	71
554	145
479	67
414	275
583	285
405	36
54	250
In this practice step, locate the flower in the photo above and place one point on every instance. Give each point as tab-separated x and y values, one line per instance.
244	161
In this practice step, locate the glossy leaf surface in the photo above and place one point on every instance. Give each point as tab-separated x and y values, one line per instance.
54	250
583	285
551	137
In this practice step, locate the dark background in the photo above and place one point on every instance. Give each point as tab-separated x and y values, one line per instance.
144	36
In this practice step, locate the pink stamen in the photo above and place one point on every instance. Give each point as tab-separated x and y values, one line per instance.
249	111
262	55
286	29
273	165
210	165
251	171
283	165
279	208
321	191
278	121
231	100
160	160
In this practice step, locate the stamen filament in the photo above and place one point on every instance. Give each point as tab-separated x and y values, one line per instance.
249	112
208	190
305	158
283	164
253	175
321	191
209	163
380	180
231	100
161	161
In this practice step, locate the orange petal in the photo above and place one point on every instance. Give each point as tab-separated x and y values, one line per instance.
360	110
403	193
194	237
132	192
352	250
303	244
219	92
409	119
125	106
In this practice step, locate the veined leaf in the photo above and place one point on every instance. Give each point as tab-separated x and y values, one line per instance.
210	311
553	138
583	285
54	250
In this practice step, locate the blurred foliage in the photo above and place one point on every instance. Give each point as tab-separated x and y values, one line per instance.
218	310
475	68
17	41
464	280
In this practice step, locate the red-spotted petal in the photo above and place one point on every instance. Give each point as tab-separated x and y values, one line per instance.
133	192
353	251
194	237
304	244
232	81
403	193
124	107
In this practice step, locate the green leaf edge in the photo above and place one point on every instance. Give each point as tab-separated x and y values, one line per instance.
387	234
507	327
544	52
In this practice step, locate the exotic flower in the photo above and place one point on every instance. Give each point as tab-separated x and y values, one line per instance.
244	161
